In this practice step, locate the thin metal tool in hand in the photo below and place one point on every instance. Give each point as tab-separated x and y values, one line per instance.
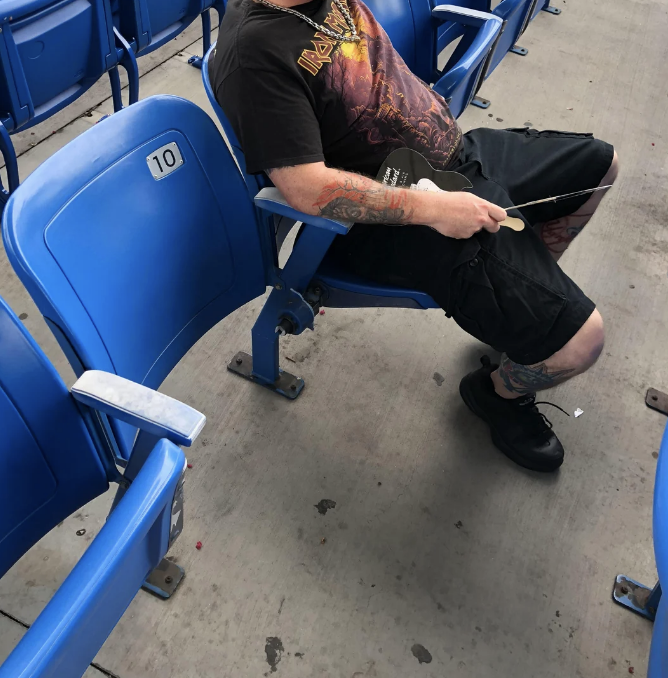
558	197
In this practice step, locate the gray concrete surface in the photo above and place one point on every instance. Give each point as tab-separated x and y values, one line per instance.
436	538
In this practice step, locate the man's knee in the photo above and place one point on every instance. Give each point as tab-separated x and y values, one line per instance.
613	172
586	346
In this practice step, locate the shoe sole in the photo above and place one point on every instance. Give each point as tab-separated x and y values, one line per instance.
546	467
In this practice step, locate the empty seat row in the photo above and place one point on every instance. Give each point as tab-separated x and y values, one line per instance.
53	51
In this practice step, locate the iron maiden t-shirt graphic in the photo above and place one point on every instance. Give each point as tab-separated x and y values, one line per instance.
295	95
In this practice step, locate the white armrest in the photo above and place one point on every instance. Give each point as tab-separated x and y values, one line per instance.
471	17
139	406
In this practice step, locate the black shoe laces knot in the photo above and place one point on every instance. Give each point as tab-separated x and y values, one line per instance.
529	401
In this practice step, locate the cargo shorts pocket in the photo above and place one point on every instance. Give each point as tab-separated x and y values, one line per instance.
502	306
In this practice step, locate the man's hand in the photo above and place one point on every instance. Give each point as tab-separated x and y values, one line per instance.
461	215
317	189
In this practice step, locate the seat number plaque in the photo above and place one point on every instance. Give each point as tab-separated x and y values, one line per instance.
164	160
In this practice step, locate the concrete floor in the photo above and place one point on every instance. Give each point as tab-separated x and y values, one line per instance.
436	539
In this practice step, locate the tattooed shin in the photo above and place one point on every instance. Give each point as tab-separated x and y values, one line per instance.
523	379
349	200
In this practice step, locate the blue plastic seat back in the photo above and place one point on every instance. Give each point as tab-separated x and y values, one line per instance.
466	67
658	662
49	467
254	182
419	39
515	15
396	18
410	27
152	23
51	52
426	40
127	18
168	18
427	31
135	239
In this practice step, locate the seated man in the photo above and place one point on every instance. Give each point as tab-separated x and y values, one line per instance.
319	98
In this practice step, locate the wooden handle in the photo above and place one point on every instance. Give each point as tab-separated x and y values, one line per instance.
513	223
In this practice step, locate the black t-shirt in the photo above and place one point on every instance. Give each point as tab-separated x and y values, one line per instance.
295	96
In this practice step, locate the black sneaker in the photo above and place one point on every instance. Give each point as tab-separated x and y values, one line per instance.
519	429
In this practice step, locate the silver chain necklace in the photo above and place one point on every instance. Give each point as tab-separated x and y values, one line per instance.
323	29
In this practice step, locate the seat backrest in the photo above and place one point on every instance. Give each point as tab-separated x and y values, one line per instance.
515	14
128	19
396	18
135	239
49	467
152	23
254	182
51	52
466	67
419	39
409	25
426	40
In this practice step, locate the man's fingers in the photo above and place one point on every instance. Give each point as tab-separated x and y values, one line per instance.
496	212
493	226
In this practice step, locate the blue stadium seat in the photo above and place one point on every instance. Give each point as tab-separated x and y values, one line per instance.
414	28
308	280
138	242
149	24
51	465
515	15
641	599
534	9
52	52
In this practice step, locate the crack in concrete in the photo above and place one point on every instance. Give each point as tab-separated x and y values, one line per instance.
97	667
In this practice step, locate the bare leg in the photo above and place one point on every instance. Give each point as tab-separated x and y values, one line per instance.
560	233
505	398
513	380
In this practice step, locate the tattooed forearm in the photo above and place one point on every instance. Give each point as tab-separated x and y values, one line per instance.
524	379
363	202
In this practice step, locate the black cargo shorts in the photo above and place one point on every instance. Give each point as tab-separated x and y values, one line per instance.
503	288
